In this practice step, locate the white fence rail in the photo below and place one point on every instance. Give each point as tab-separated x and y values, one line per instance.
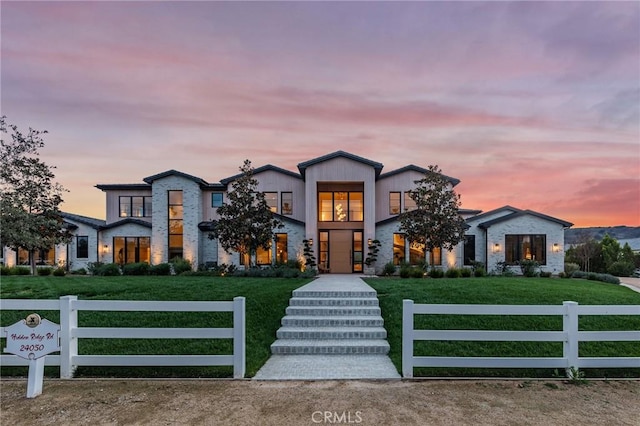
70	332
570	336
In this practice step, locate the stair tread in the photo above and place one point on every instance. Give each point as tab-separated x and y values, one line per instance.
330	342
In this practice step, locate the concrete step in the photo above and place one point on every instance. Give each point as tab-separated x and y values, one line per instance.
323	333
333	301
341	294
333	310
332	321
329	347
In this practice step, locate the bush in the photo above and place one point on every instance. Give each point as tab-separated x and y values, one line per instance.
141	268
452	273
596	277
529	268
466	272
93	267
436	273
43	272
160	269
180	265
59	272
621	268
479	272
4	270
405	270
417	273
107	270
544	274
570	268
389	269
80	271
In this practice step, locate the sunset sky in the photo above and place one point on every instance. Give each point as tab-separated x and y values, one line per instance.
532	104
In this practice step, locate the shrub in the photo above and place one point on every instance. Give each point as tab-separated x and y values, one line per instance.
417	273
389	269
59	272
160	269
479	272
436	273
529	268
405	270
621	268
596	277
466	272
453	273
544	274
93	267
570	268
108	270
141	268
4	270
180	265
80	271
44	271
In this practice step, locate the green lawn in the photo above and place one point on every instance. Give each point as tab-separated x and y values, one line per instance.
266	301
505	291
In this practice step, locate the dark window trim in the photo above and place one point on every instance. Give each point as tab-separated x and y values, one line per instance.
286	211
391	212
333	206
517	254
145	213
85	250
221	199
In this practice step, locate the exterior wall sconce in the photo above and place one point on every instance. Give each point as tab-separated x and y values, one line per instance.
105	249
369	241
310	241
556	248
496	248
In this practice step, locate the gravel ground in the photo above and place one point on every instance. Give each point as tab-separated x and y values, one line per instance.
246	402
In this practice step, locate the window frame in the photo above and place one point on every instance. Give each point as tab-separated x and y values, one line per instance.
348	213
514	248
213	201
84	249
147	205
289	197
399	210
273	207
469	246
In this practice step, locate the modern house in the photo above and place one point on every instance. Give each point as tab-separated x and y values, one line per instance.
341	202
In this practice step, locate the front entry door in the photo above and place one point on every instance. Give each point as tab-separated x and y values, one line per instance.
340	250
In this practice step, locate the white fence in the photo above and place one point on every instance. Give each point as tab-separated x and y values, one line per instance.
70	332
569	336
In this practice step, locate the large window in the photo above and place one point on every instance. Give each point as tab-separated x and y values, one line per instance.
416	253
526	247
263	257
82	247
323	252
41	257
176	224
409	204
272	201
287	203
435	257
469	250
131	249
398	248
282	253
394	203
341	206
135	206
217	199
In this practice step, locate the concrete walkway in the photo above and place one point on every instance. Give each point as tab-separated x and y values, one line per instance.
330	366
630	282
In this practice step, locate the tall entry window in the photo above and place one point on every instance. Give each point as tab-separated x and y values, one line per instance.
176	225
358	254
341	206
399	248
131	249
282	254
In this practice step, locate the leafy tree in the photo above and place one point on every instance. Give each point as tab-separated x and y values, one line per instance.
587	253
435	222
246	222
610	250
29	201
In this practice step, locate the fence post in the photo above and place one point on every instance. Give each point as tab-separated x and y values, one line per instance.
570	346
239	337
68	344
407	338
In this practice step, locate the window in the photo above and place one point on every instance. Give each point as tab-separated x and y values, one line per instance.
416	253
41	257
435	257
263	257
286	198
217	199
131	250
398	248
282	253
358	253
176	224
526	247
137	206
272	201
341	206
409	204
323	251
82	247
469	249
394	203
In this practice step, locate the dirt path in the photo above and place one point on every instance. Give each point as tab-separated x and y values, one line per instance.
144	402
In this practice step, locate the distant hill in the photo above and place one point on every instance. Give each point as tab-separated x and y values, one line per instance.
574	235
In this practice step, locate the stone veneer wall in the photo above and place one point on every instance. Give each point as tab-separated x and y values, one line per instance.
192	202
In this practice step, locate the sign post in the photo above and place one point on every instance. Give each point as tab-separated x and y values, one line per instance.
33	338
